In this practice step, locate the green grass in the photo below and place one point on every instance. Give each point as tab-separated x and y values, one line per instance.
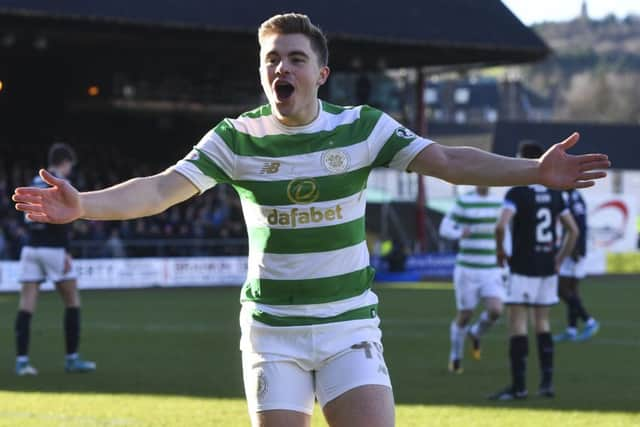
169	357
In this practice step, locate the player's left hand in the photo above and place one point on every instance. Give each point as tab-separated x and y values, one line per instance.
67	263
562	171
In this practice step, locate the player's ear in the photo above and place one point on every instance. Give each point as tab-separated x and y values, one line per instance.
324	75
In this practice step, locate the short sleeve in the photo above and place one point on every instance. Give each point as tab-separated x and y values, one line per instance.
511	200
393	145
210	162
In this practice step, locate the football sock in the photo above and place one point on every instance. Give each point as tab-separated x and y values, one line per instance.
72	329
518	352
457	335
582	312
572	311
22	330
545	355
482	325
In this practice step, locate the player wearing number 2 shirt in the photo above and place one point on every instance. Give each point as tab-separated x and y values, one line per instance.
535	209
533	212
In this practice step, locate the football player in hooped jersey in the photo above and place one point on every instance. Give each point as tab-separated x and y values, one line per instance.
309	319
476	276
533	282
45	257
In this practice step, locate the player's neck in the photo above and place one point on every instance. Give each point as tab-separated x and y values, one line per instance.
306	117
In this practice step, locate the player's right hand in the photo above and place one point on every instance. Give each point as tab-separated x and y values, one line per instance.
502	258
58	204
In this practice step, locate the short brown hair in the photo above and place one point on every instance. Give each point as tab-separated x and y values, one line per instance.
297	23
60	152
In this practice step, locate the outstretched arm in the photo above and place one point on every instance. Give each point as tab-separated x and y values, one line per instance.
555	169
62	203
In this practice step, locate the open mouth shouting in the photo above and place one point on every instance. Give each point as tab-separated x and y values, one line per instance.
283	90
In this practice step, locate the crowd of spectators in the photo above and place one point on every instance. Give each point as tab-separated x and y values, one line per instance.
115	144
210	224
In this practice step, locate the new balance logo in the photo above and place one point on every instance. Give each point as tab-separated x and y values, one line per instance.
270	167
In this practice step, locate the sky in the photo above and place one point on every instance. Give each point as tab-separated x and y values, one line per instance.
535	11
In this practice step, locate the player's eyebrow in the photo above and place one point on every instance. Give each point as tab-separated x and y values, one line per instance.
298	53
292	53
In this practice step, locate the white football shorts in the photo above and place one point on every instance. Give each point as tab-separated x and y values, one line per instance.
572	268
38	264
473	284
530	290
288	368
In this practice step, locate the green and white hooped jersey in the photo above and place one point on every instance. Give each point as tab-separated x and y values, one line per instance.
303	197
479	214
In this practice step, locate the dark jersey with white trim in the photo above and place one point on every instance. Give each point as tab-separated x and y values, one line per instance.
577	207
537	209
43	234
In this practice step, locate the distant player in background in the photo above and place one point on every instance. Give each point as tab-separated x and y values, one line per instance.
571	271
476	276
533	282
45	256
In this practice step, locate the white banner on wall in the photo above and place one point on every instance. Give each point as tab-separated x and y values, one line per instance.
114	273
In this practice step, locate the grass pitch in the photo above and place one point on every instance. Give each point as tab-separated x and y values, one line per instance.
169	357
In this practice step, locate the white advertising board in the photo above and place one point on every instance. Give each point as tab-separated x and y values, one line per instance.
113	273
